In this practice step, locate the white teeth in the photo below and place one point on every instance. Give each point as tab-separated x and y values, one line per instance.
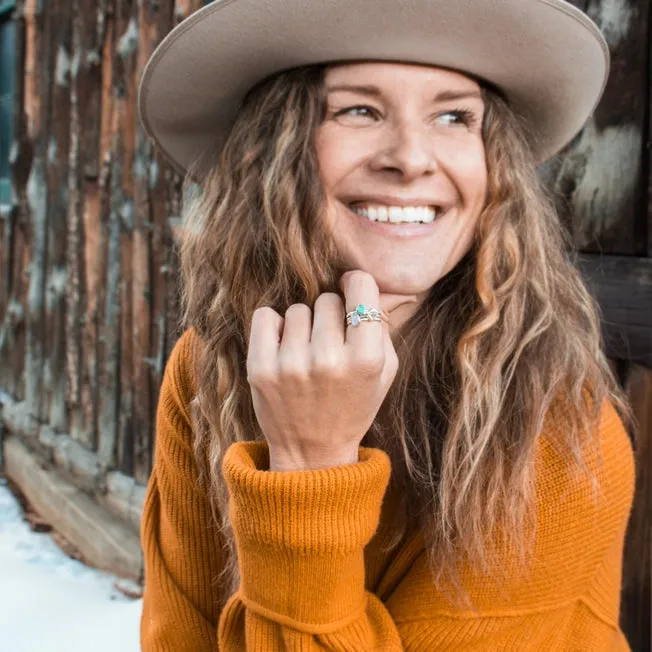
396	214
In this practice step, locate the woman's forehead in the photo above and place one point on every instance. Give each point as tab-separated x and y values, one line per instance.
362	73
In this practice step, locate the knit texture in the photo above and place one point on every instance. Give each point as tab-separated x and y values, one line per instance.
318	573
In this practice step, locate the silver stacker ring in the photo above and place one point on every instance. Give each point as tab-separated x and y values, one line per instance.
361	314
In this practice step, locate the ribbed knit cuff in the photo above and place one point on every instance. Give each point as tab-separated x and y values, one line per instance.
301	534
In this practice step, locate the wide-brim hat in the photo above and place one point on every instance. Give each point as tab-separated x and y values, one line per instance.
548	59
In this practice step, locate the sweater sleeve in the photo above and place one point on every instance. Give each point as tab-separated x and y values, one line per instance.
181	548
300	539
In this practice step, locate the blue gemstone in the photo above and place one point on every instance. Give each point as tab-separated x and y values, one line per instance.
360	309
355	319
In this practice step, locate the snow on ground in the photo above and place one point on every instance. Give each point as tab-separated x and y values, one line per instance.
53	603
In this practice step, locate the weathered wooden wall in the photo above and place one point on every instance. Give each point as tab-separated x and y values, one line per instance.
88	298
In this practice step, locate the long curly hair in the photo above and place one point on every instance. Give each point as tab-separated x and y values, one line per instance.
505	343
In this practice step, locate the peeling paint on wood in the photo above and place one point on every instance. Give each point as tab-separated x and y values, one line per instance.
128	43
599	174
62	68
604	173
614	17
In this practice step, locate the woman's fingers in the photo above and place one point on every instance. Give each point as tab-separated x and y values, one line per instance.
293	352
264	342
328	323
293	343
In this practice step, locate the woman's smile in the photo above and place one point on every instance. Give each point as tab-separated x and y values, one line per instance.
394	221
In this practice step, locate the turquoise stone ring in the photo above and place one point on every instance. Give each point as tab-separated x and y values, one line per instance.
361	313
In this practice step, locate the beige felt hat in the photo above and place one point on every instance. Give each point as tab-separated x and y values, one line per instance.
547	57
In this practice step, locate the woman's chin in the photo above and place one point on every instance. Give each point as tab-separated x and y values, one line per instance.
394	285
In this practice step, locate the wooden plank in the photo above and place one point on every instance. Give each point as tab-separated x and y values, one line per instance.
102	539
598	178
141	262
75	295
91	28
622	286
97	265
109	397
12	331
36	209
56	387
149	194
126	39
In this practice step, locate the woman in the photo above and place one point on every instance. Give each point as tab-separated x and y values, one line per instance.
375	281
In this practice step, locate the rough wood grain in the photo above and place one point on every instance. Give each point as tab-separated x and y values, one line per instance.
599	176
126	26
102	273
91	271
38	199
55	384
12	224
102	539
623	288
154	22
75	294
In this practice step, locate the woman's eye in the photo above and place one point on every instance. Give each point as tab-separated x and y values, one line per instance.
360	110
457	117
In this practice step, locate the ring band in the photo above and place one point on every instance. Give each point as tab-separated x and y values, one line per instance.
360	314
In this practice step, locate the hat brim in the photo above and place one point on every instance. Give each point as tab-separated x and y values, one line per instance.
548	58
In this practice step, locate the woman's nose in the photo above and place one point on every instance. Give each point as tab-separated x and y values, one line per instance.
407	151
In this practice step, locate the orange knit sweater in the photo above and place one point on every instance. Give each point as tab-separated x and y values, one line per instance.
315	570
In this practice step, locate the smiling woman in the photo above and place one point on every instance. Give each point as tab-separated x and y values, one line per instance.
375	282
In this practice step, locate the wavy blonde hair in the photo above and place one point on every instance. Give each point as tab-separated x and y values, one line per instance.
485	362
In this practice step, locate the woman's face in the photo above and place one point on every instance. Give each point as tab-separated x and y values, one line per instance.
403	163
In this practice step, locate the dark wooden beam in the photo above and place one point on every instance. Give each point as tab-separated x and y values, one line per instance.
622	286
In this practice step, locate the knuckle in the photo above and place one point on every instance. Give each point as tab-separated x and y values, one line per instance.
328	364
265	313
261	377
369	364
292	369
297	309
328	300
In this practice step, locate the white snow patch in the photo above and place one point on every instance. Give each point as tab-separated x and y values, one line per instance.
51	602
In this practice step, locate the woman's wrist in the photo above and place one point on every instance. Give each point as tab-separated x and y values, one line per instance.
306	461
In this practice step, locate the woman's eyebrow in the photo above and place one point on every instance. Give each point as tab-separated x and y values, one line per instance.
372	91
452	96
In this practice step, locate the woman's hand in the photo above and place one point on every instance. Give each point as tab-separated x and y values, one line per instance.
317	384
